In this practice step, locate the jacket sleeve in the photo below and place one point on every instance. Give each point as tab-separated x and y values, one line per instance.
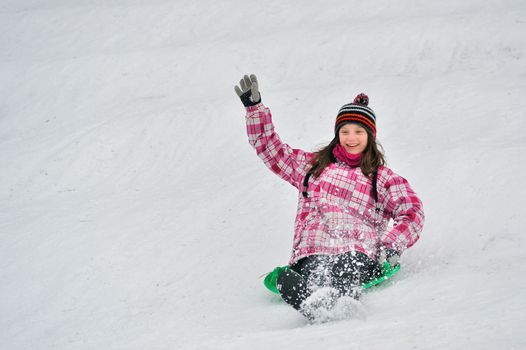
288	163
407	212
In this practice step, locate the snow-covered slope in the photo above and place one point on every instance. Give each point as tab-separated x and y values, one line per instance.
134	214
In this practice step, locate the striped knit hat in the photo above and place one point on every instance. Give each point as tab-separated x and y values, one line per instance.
357	112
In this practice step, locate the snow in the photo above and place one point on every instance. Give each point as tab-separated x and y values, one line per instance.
134	214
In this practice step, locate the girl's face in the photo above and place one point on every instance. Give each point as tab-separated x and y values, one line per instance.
353	138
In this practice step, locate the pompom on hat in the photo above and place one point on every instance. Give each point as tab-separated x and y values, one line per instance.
357	112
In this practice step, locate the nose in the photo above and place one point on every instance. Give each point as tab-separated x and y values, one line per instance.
350	137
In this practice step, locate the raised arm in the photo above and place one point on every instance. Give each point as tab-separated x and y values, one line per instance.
288	163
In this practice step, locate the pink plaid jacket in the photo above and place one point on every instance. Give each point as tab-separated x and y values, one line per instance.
339	213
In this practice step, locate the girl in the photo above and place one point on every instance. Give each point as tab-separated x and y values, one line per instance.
347	196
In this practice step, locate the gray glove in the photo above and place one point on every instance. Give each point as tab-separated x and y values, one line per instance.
248	90
389	255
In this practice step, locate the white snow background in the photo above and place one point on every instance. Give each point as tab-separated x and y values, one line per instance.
135	215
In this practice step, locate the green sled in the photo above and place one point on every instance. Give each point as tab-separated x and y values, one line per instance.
388	271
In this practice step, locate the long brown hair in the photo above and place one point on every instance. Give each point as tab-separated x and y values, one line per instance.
373	156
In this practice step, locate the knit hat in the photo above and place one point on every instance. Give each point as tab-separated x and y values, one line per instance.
357	112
